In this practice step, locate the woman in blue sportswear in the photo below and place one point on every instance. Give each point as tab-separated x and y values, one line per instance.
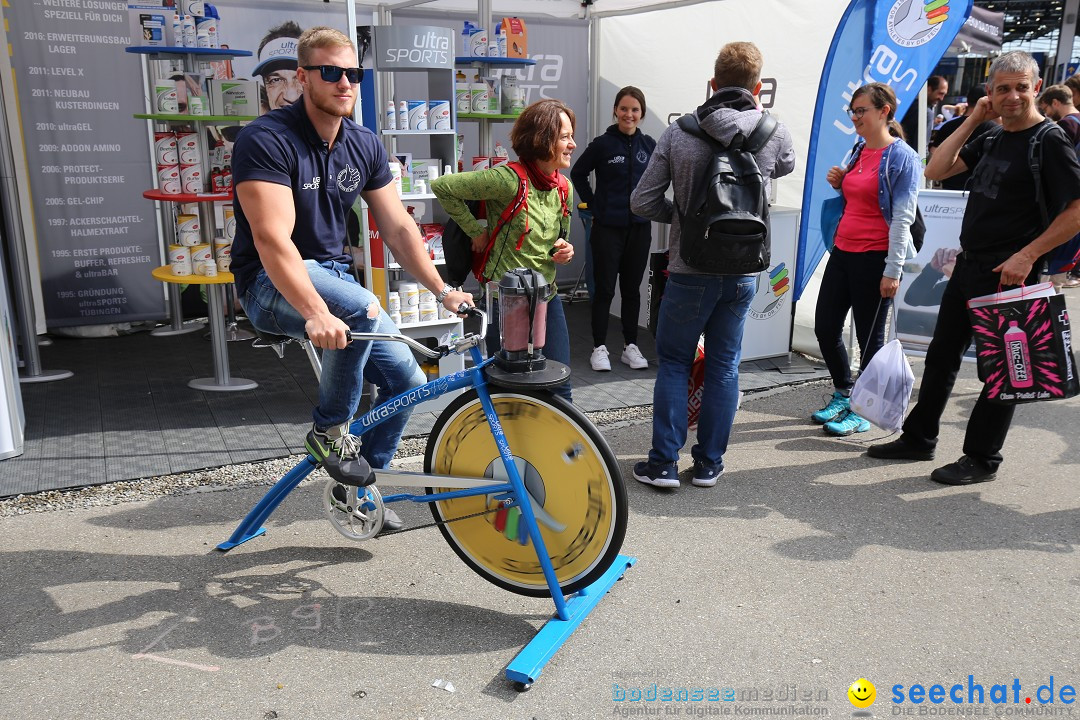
880	185
620	240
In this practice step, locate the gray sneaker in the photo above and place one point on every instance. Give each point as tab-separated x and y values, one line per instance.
339	452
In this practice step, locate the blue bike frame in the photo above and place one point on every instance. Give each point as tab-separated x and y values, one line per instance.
252	524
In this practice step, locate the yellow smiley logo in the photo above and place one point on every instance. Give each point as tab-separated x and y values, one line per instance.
862	693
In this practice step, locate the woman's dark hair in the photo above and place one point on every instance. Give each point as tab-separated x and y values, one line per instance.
536	131
632	92
880	95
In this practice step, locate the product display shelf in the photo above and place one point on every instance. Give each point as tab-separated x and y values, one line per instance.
192	60
485	119
416	132
480	60
185	118
186	197
395	266
487	116
213	53
430	79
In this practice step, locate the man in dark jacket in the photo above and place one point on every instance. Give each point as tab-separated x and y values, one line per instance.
696	302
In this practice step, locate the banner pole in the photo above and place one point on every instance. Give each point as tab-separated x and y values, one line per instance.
23	299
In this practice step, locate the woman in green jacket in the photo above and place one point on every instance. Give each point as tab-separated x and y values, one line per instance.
535	238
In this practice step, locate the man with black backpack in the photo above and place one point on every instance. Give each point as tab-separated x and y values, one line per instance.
1024	201
719	162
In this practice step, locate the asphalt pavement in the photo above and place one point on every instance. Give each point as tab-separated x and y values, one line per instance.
807	567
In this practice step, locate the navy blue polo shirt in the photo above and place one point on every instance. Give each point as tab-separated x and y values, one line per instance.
282	147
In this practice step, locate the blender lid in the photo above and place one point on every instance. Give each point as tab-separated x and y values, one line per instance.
521	281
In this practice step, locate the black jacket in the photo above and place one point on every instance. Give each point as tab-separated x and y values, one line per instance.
618	161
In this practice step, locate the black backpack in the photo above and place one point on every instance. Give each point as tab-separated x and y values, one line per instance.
726	226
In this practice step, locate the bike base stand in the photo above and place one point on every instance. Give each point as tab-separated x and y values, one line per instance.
526	667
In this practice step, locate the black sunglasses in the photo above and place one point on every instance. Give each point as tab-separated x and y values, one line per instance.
333	73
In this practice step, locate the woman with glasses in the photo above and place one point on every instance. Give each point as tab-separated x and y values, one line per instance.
535	237
879	183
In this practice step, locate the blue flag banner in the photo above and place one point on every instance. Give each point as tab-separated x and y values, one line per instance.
897	42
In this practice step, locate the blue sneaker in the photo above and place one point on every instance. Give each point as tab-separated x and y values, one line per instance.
838	405
706	474
662	476
848	423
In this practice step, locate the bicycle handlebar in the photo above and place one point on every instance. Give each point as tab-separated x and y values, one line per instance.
457	345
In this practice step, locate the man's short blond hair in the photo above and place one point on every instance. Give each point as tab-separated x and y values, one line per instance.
738	65
320	37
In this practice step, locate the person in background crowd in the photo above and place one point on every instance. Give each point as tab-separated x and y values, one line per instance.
937	88
535	239
880	185
696	302
277	66
958	181
620	239
1002	240
298	171
1073	83
1056	103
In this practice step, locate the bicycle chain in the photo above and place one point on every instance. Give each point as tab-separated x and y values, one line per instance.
438	522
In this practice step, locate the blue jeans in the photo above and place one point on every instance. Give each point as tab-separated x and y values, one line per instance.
715	305
389	365
556	344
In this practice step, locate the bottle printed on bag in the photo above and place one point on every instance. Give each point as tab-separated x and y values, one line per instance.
391	116
1018	357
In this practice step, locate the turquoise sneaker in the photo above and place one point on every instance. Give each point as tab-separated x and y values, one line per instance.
838	405
848	423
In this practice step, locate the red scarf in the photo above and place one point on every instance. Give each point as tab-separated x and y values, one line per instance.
540	180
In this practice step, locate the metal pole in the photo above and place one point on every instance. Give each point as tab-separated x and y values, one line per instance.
20	266
1065	39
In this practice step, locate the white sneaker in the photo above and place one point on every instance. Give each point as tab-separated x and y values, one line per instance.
599	359
633	357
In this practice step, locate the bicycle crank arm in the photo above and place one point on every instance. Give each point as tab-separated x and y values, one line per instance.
405	478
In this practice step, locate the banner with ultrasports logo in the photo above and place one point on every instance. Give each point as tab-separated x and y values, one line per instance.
897	42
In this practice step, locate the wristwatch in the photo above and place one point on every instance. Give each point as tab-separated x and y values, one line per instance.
446	290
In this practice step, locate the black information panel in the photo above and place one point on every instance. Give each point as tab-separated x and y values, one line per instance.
88	158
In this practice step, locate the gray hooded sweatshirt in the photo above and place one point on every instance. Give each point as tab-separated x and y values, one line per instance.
680	158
